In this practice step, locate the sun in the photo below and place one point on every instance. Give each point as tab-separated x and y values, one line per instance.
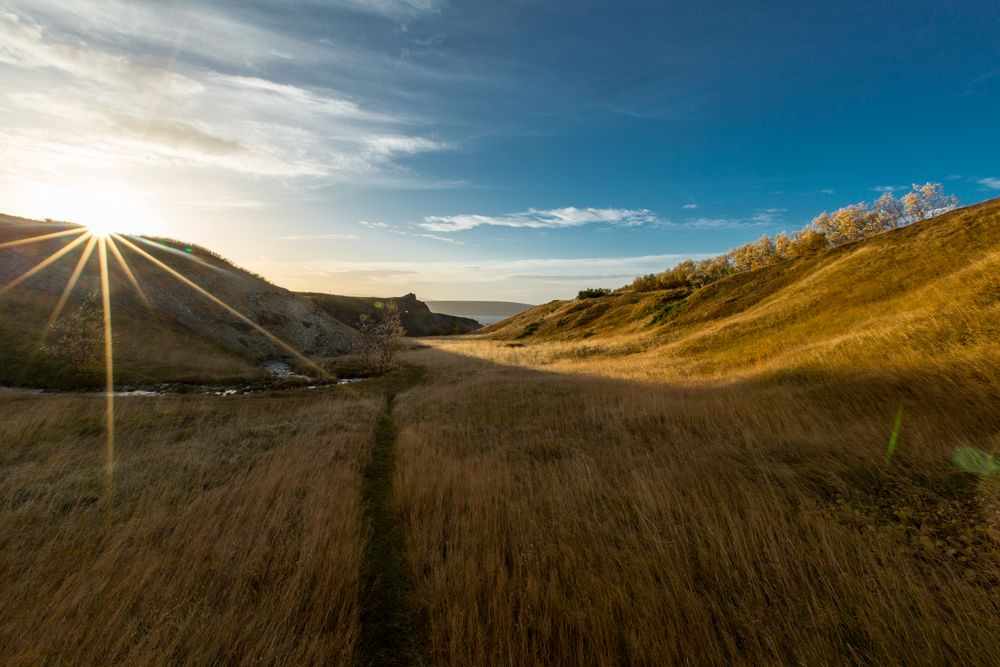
104	228
103	210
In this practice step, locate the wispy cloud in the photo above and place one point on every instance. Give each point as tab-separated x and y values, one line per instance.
319	237
603	277
761	218
718	223
393	8
445	239
543	219
569	217
828	191
26	44
421	235
980	80
768	216
991	183
888	188
94	88
690	207
407	231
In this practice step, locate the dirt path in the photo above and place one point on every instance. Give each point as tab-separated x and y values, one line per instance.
392	631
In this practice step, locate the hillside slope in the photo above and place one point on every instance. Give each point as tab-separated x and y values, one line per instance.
930	291
184	335
416	316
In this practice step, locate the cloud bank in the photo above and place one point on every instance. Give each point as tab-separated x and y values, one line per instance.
157	94
543	219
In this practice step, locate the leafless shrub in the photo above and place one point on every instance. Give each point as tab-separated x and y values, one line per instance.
381	339
77	338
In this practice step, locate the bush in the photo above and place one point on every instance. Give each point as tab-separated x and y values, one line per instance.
77	339
593	293
381	340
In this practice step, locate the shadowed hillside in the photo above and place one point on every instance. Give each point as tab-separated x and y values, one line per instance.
927	292
416	316
182	334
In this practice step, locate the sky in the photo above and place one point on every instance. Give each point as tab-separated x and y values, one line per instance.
507	150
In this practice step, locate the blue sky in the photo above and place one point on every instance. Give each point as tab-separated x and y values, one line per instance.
493	150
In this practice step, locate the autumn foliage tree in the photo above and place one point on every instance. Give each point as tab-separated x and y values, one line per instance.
826	230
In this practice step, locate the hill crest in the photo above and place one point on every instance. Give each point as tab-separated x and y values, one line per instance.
931	289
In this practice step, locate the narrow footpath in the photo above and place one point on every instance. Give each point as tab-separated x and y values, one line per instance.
392	630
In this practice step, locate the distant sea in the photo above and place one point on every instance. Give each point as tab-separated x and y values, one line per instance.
484	312
487	319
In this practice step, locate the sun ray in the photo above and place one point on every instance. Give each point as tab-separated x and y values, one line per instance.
70	284
54	257
186	255
109	369
42	237
128	273
222	304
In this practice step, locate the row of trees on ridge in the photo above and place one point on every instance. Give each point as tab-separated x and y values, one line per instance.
827	230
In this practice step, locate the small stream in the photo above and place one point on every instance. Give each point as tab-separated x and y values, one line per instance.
279	371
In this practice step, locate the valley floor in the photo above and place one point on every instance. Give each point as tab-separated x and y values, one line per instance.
506	507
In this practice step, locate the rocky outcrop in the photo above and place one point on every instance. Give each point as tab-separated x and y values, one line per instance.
417	318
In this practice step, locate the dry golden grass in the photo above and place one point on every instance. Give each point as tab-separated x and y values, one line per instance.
562	519
710	490
925	296
146	350
235	535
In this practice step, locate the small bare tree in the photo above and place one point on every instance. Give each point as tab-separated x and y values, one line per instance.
77	338
888	211
381	339
926	201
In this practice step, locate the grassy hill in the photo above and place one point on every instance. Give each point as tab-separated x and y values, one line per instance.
761	471
182	336
416	316
924	294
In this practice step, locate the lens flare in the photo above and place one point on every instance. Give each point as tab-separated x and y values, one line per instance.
70	284
109	369
222	304
103	208
51	259
105	237
127	270
43	237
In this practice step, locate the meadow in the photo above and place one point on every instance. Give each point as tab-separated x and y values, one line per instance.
760	471
230	531
523	515
570	518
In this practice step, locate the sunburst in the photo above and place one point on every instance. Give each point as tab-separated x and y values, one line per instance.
105	240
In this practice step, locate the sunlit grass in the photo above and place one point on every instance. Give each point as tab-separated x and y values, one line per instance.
235	533
101	233
557	518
